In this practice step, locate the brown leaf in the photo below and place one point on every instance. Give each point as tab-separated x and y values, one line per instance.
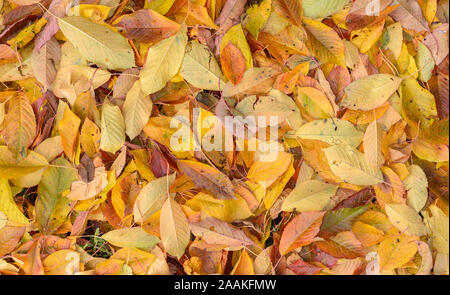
147	26
301	267
9	238
209	178
217	232
410	15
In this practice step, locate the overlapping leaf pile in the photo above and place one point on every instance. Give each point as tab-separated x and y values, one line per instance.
92	92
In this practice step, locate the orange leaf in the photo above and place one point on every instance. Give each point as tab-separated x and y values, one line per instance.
301	231
233	63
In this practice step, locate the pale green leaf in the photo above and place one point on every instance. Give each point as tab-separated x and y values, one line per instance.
52	206
112	128
372	144
11	169
137	109
438	224
370	92
200	68
97	43
311	195
340	220
151	198
331	131
425	62
7	204
163	62
418	103
416	184
174	227
131	237
322	8
351	165
406	219
160	6
395	33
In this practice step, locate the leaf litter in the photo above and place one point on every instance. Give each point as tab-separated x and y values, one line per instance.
95	178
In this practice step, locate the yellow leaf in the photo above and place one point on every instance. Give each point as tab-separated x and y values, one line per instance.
137	109
274	191
352	166
376	219
226	210
406	219
152	197
244	266
96	13
258	15
163	62
425	62
266	173
131	237
391	190
429	8
27	34
12	169
193	14
418	103
68	130
200	67
161	6
367	37
372	144
325	42
112	128
322	8
7	204
175	231
367	234
311	195
142	159
315	102
52	206
437	221
425	150
90	138
62	262
160	129
416	184
394	252
331	131
97	43
395	33
264	106
370	92
139	261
